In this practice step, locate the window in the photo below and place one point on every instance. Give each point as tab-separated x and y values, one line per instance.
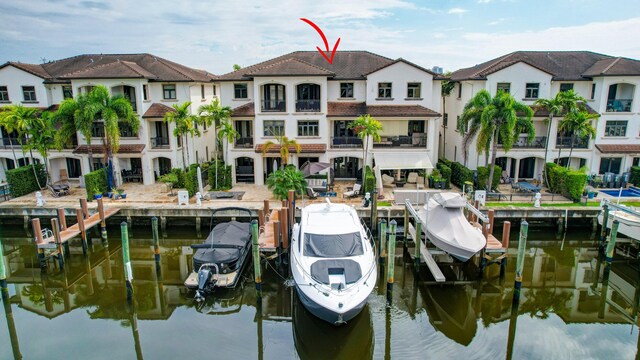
145	92
531	90
273	127
636	161
4	93
384	90
413	90
29	93
126	130
346	90
459	90
169	91
202	92
214	90
308	128
566	87
593	91
240	91
445	120
67	92
615	128
97	130
179	141
504	87
98	163
611	165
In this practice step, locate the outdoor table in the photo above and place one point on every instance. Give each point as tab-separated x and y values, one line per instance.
528	186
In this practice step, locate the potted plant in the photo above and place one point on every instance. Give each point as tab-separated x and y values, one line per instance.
97	194
436	181
121	193
110	193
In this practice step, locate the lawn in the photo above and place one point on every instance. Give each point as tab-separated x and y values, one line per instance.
563	205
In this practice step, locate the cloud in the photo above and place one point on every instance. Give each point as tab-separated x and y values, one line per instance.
457	10
484	1
496	22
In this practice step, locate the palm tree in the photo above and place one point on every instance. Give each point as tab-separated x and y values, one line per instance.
42	137
445	91
185	124
112	110
73	116
289	178
285	146
489	118
214	114
20	119
578	123
366	127
227	132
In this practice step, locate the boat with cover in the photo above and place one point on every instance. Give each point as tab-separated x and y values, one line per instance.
448	229
333	262
221	258
628	218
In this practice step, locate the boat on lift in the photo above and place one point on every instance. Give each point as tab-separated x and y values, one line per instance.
628	219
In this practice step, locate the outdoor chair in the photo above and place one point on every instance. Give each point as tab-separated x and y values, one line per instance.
387	180
63	176
311	194
505	179
57	190
412	178
352	193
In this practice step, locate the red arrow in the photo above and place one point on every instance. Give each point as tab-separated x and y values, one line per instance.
326	43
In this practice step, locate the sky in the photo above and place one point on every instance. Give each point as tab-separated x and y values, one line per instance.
214	35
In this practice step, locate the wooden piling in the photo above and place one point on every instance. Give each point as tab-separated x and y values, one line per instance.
255	249
605	222
62	219
491	214
374	211
476	205
265	207
522	245
382	235
611	246
37	231
156	239
277	228
83	231
103	220
418	243
391	257
3	271
84	207
260	218
55	228
128	271
506	229
284	227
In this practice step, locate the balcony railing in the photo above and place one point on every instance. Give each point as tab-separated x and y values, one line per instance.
308	105
274	105
619	105
403	141
521	143
563	142
244	142
9	142
346	142
159	142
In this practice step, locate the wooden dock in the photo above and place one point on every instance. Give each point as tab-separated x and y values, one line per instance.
267	238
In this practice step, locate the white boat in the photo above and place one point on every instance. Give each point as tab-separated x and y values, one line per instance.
448	229
629	224
333	262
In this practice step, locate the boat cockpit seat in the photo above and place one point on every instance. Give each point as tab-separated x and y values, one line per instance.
322	269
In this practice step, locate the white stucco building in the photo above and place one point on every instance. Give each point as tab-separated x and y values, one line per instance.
152	85
611	86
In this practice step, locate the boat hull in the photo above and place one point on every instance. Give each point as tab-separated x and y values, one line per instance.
328	315
626	227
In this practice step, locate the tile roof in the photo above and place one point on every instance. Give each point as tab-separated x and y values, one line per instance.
289	67
99	149
350	109
245	110
304	148
613	67
157	110
114	66
562	65
618	148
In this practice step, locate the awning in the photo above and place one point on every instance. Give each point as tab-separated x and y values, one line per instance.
404	160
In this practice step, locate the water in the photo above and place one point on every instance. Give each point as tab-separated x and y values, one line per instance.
631	192
82	312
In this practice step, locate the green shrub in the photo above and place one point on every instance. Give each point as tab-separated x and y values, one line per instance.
460	174
446	173
483	176
22	181
180	176
224	176
551	176
574	183
169	178
95	182
369	181
191	180
635	175
289	178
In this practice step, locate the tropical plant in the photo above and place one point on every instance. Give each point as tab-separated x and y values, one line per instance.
42	133
445	91
285	147
185	124
226	132
74	116
283	180
19	119
214	114
578	124
366	127
488	118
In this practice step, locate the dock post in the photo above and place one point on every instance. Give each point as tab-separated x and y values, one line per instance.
374	211
163	226
156	240
391	257
522	245
56	235
83	231
406	227
103	220
491	214
3	271
255	249
62	219
25	223
284	228
37	232
260	218
292	210
506	229
418	243
128	271
265	208
605	222
611	246
476	205
382	235
277	237
84	207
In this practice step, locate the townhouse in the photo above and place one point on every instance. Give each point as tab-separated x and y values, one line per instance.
152	84
302	96
610	85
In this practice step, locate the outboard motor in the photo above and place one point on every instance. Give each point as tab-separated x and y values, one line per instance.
206	283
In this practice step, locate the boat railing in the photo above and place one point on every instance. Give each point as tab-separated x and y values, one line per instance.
369	236
622	208
478	213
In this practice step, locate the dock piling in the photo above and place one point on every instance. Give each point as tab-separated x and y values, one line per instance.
292	209
255	249
611	246
62	219
605	222
522	245
128	271
284	228
156	239
55	228
3	271
406	228
37	231
83	231
85	208
506	229
103	221
382	252
391	260
277	237
418	243
260	218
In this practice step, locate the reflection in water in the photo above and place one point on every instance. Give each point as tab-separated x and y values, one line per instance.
568	286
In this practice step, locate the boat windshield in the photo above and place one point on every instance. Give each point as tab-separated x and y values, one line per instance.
329	246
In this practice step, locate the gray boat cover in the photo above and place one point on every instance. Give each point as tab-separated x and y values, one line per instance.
449	200
321	269
228	233
333	245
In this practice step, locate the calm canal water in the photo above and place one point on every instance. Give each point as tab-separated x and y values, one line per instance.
565	310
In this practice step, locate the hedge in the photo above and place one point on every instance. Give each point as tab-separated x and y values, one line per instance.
95	182
181	178
369	181
635	175
569	183
460	174
22	181
224	176
445	171
191	180
483	176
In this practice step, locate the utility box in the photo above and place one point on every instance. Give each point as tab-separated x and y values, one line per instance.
183	197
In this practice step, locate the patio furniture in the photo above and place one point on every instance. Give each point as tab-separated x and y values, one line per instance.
317	184
412	178
505	179
355	191
526	186
58	190
311	194
387	180
63	176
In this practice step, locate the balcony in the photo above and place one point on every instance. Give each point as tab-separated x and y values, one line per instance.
273	105
243	143
564	142
521	143
417	140
160	143
346	142
308	105
9	142
619	105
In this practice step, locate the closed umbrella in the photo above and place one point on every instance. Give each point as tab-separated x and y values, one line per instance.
312	168
275	165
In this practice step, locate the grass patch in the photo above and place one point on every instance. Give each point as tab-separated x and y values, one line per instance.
563	205
384	203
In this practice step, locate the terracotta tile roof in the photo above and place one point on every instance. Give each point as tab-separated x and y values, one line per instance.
304	148
539	111
342	109
618	148
289	67
614	67
245	110
157	110
117	69
34	69
99	149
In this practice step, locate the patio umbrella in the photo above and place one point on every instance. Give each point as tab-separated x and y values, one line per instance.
275	165
312	168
